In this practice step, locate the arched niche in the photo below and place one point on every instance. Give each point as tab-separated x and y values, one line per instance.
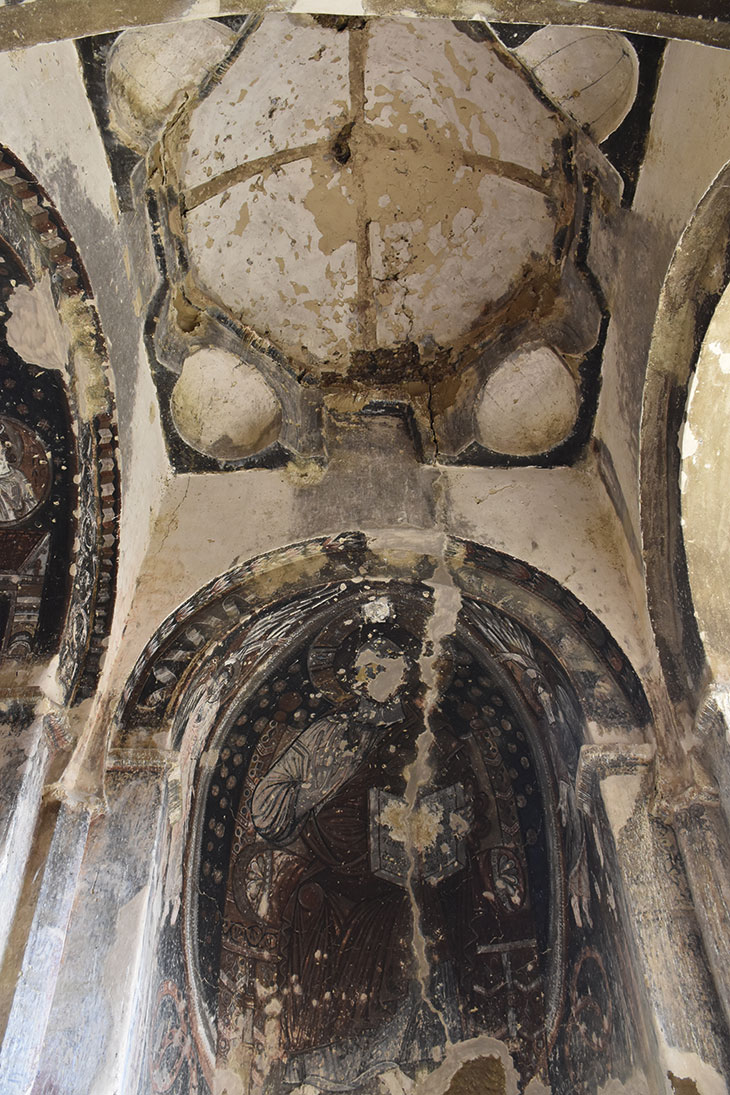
696	279
703	486
417	848
59	479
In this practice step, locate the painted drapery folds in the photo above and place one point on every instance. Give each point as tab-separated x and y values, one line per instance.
388	868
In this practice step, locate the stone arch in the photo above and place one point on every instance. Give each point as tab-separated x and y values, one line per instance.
543	653
698	274
54	354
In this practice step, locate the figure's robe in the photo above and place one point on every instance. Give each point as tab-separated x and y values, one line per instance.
16	496
345	933
352	1002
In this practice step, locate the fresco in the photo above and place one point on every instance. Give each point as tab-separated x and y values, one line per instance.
59	477
37	497
400	904
389	862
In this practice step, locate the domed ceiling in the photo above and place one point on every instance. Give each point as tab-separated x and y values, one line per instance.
372	192
351	211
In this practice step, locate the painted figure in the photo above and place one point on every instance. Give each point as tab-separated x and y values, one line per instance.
370	853
17	499
345	932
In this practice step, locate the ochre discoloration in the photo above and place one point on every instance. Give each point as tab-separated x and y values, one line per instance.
482	1076
416	217
212	531
682	1086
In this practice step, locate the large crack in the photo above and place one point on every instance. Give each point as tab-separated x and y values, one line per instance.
432	423
441	625
365	300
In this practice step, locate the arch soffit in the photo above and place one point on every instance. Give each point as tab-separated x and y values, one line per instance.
37	236
511	617
696	279
213	647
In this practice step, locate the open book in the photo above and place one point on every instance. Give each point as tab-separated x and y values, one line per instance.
425	840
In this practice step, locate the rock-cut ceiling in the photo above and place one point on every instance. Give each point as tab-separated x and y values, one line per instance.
353	212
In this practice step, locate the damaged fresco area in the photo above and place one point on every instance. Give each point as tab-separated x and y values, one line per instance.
37	492
391	885
37	466
59	481
391	211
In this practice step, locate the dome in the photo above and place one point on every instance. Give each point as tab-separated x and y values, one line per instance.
373	194
528	405
592	74
223	407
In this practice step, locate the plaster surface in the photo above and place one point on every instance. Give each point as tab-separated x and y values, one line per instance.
343	207
705	468
366	188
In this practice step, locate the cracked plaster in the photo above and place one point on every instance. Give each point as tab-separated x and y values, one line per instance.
528	404
347	204
191	506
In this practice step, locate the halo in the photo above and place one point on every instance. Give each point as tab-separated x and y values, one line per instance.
14	446
392	622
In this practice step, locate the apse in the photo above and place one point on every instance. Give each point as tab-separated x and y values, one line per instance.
389	875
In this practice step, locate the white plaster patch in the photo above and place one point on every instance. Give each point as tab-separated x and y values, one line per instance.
426	209
451	240
41	78
121	967
723	355
620	795
689	444
682	158
395	1082
705	504
721	697
378	610
152	69
227	1082
223	407
592	74
536	1087
34	327
447	87
280	265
